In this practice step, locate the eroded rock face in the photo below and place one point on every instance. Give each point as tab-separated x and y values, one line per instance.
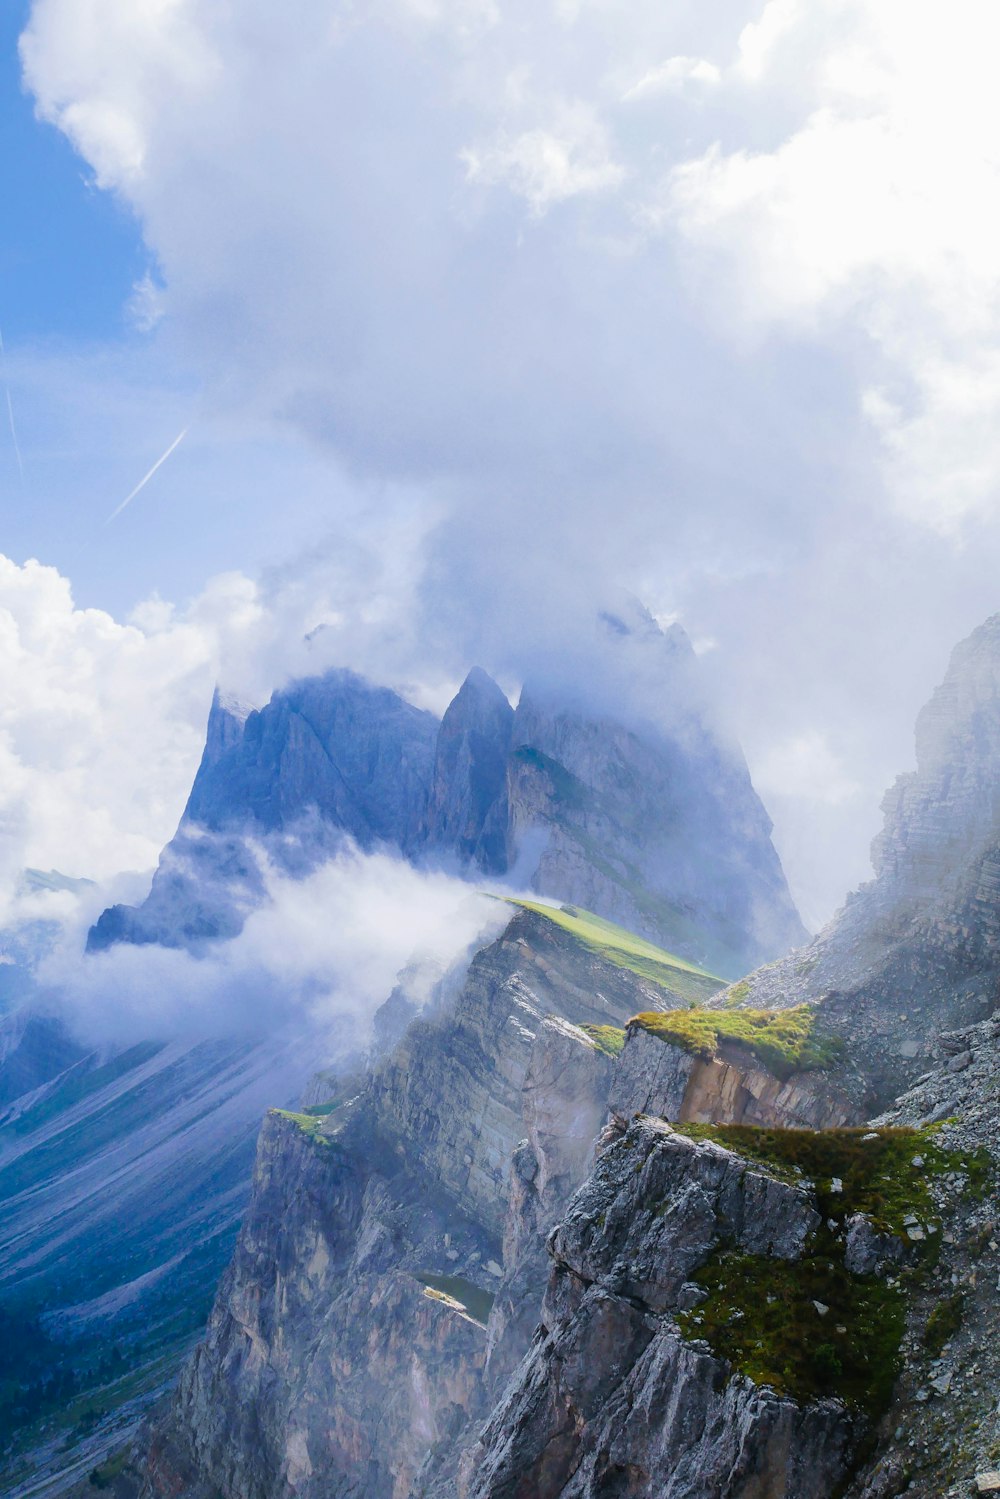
917	950
467	809
347	1349
943	1427
611	1398
662	834
730	1088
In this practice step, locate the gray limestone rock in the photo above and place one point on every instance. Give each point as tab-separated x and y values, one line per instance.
467	807
611	1398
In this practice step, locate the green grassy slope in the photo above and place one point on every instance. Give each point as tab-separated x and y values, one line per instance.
615	945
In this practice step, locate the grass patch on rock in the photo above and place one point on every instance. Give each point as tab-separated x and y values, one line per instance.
607	1038
807	1328
309	1124
626	950
944	1322
810	1327
883	1173
786	1041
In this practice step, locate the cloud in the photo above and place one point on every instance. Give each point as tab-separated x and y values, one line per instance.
570	296
547	166
321	954
874	210
674	74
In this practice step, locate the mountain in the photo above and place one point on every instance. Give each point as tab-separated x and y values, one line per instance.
647	818
327	758
592	1226
926	929
409	1276
142	1154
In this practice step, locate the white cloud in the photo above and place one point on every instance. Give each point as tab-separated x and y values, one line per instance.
805	766
547	166
292	967
875	209
674	74
692	343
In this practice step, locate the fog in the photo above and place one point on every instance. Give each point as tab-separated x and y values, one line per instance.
317	957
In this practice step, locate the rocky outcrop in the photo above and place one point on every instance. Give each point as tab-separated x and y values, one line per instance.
358	1352
943	1426
467	808
351	1334
613	1397
731	1087
327	758
917	950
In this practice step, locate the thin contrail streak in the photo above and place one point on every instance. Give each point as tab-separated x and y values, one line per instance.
146	477
10	411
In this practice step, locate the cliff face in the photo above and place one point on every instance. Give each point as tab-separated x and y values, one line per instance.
917	950
350	1334
663	834
391	1267
613	1397
467	807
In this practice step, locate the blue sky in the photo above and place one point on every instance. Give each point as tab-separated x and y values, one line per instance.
69	254
96	401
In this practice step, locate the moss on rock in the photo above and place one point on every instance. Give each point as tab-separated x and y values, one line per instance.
607	1038
807	1328
786	1041
810	1327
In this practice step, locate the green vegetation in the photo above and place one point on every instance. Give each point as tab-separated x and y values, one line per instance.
875	1167
785	1040
810	1327
944	1322
607	1038
762	1315
461	1294
625	950
310	1125
737	994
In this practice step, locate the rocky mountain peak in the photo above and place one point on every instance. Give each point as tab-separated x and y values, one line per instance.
467	807
610	787
948	810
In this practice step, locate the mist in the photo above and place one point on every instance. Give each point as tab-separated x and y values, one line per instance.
316	959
